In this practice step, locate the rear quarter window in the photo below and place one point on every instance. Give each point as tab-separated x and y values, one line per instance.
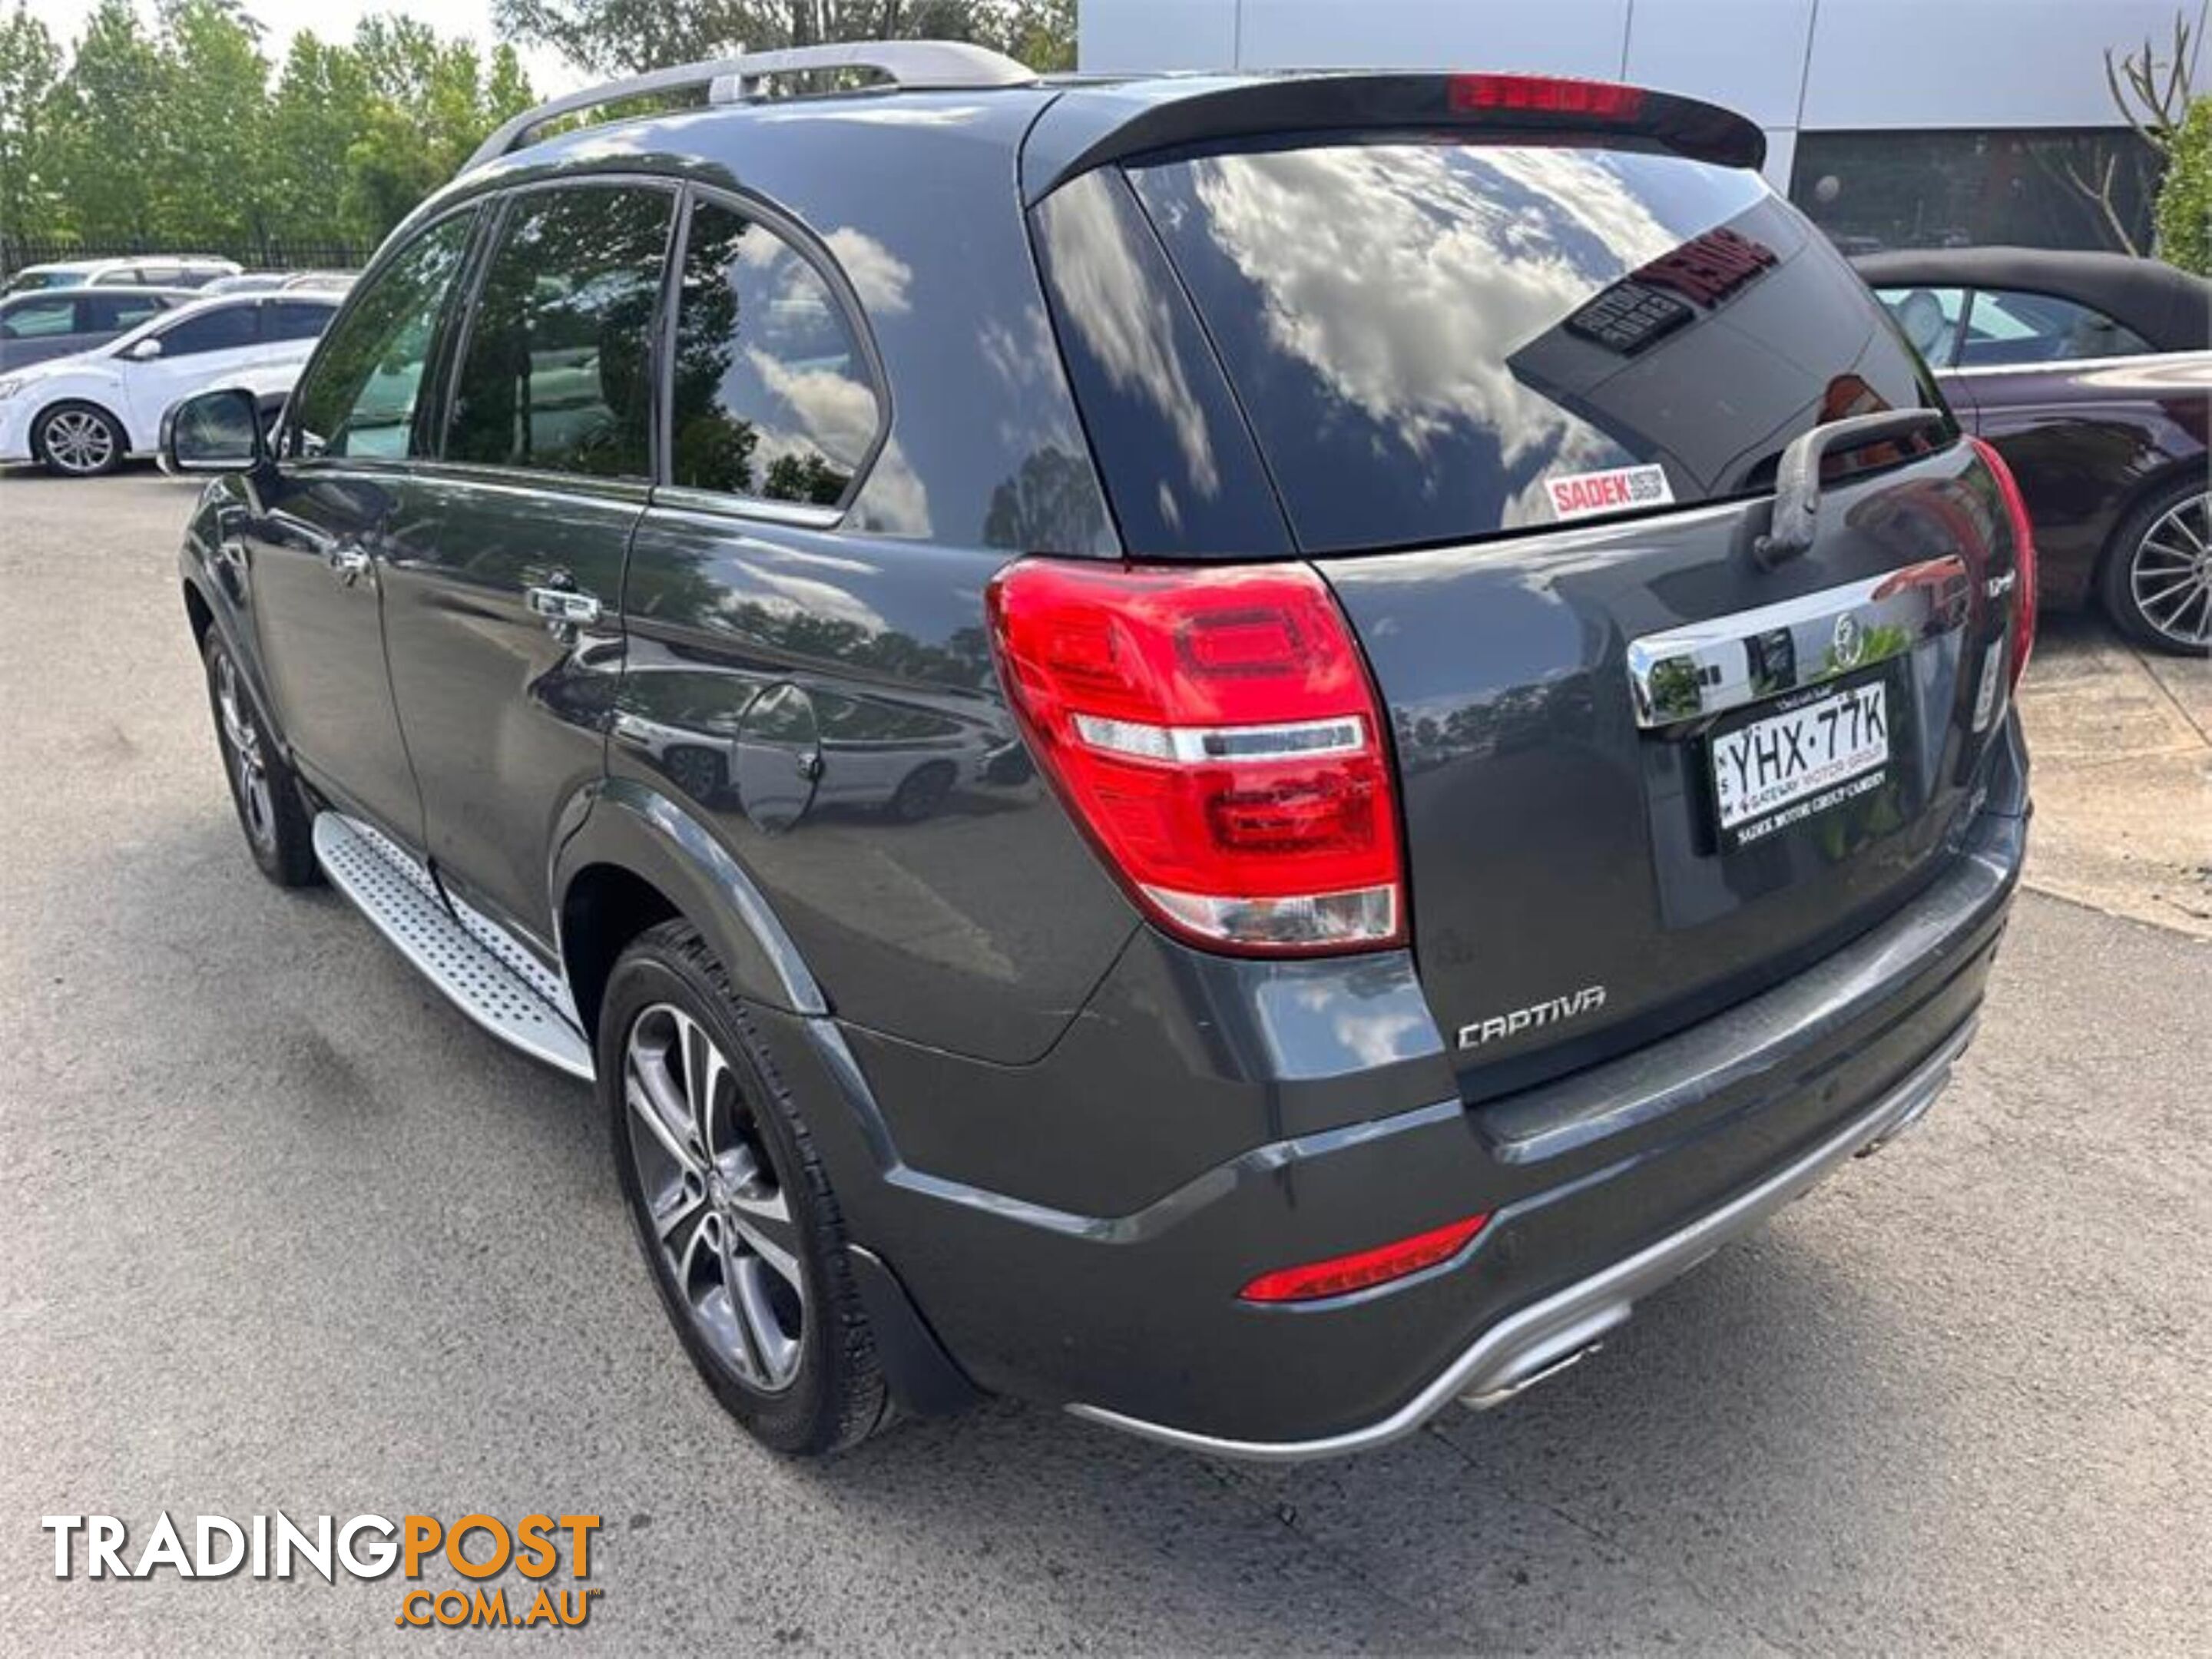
1422	331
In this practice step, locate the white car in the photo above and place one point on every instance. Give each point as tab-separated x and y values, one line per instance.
85	415
151	269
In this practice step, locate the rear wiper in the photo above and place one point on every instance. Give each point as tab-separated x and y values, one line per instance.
1797	479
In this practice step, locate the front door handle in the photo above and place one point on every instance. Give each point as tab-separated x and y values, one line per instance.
563	607
347	563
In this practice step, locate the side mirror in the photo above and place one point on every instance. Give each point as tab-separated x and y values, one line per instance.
145	351
214	432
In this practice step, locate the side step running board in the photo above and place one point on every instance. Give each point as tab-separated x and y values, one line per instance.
399	895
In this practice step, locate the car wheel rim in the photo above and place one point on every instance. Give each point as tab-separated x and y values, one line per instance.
712	1203
78	440
2170	578
241	749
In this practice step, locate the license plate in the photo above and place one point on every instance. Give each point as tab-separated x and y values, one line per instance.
1777	771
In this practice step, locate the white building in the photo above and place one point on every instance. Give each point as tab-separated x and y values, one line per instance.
1892	122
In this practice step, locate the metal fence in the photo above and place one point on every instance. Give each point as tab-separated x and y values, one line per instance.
259	253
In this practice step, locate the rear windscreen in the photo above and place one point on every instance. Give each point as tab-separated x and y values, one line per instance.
1427	337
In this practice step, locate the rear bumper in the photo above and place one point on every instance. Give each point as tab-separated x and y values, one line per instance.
1600	1185
1546	1336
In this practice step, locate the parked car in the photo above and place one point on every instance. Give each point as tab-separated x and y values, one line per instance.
2091	374
145	271
273	282
1512	662
59	323
85	415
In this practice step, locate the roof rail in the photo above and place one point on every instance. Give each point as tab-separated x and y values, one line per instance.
917	65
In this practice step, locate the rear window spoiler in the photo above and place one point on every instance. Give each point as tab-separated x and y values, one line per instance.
1093	125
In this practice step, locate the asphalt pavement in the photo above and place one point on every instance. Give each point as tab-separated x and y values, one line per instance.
280	1230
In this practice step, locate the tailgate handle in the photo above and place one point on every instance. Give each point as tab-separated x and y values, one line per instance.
1797	479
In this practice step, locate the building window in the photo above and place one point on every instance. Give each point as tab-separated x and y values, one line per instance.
1871	191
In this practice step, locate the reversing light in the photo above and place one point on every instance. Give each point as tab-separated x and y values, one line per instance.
1548	94
1212	728
1341	1275
2024	598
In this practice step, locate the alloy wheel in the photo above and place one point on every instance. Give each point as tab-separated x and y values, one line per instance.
78	441
713	1205
2170	575
241	752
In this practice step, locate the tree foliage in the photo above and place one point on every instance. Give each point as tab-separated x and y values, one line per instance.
177	131
624	36
2184	201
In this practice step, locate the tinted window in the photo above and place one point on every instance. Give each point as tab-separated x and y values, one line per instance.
1961	188
284	320
1424	335
771	395
1178	459
37	319
555	376
359	394
1929	318
224	329
2040	328
117	312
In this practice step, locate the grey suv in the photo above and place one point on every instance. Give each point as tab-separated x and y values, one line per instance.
1238	753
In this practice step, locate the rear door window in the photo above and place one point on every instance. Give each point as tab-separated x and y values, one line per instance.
2006	328
284	320
772	396
1424	333
556	372
224	329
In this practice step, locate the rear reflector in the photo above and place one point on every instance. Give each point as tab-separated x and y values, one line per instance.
1214	732
1548	94
2023	553
1342	1274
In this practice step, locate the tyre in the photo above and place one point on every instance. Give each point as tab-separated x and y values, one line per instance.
270	810
732	1208
2156	580
78	441
923	791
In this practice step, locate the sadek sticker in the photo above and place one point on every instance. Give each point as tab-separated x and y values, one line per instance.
1579	494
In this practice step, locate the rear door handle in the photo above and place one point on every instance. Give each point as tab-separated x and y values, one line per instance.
1797	479
563	607
349	562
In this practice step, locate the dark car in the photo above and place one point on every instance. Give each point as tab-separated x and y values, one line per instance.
60	322
1459	669
2091	374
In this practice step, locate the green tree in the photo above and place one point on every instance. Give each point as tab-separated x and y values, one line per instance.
623	36
215	176
30	64
319	107
430	104
2184	200
109	125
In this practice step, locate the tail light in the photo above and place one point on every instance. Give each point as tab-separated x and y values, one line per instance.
1548	94
1214	732
1341	1275
2023	553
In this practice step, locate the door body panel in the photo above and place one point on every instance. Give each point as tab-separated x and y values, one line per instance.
314	590
504	707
